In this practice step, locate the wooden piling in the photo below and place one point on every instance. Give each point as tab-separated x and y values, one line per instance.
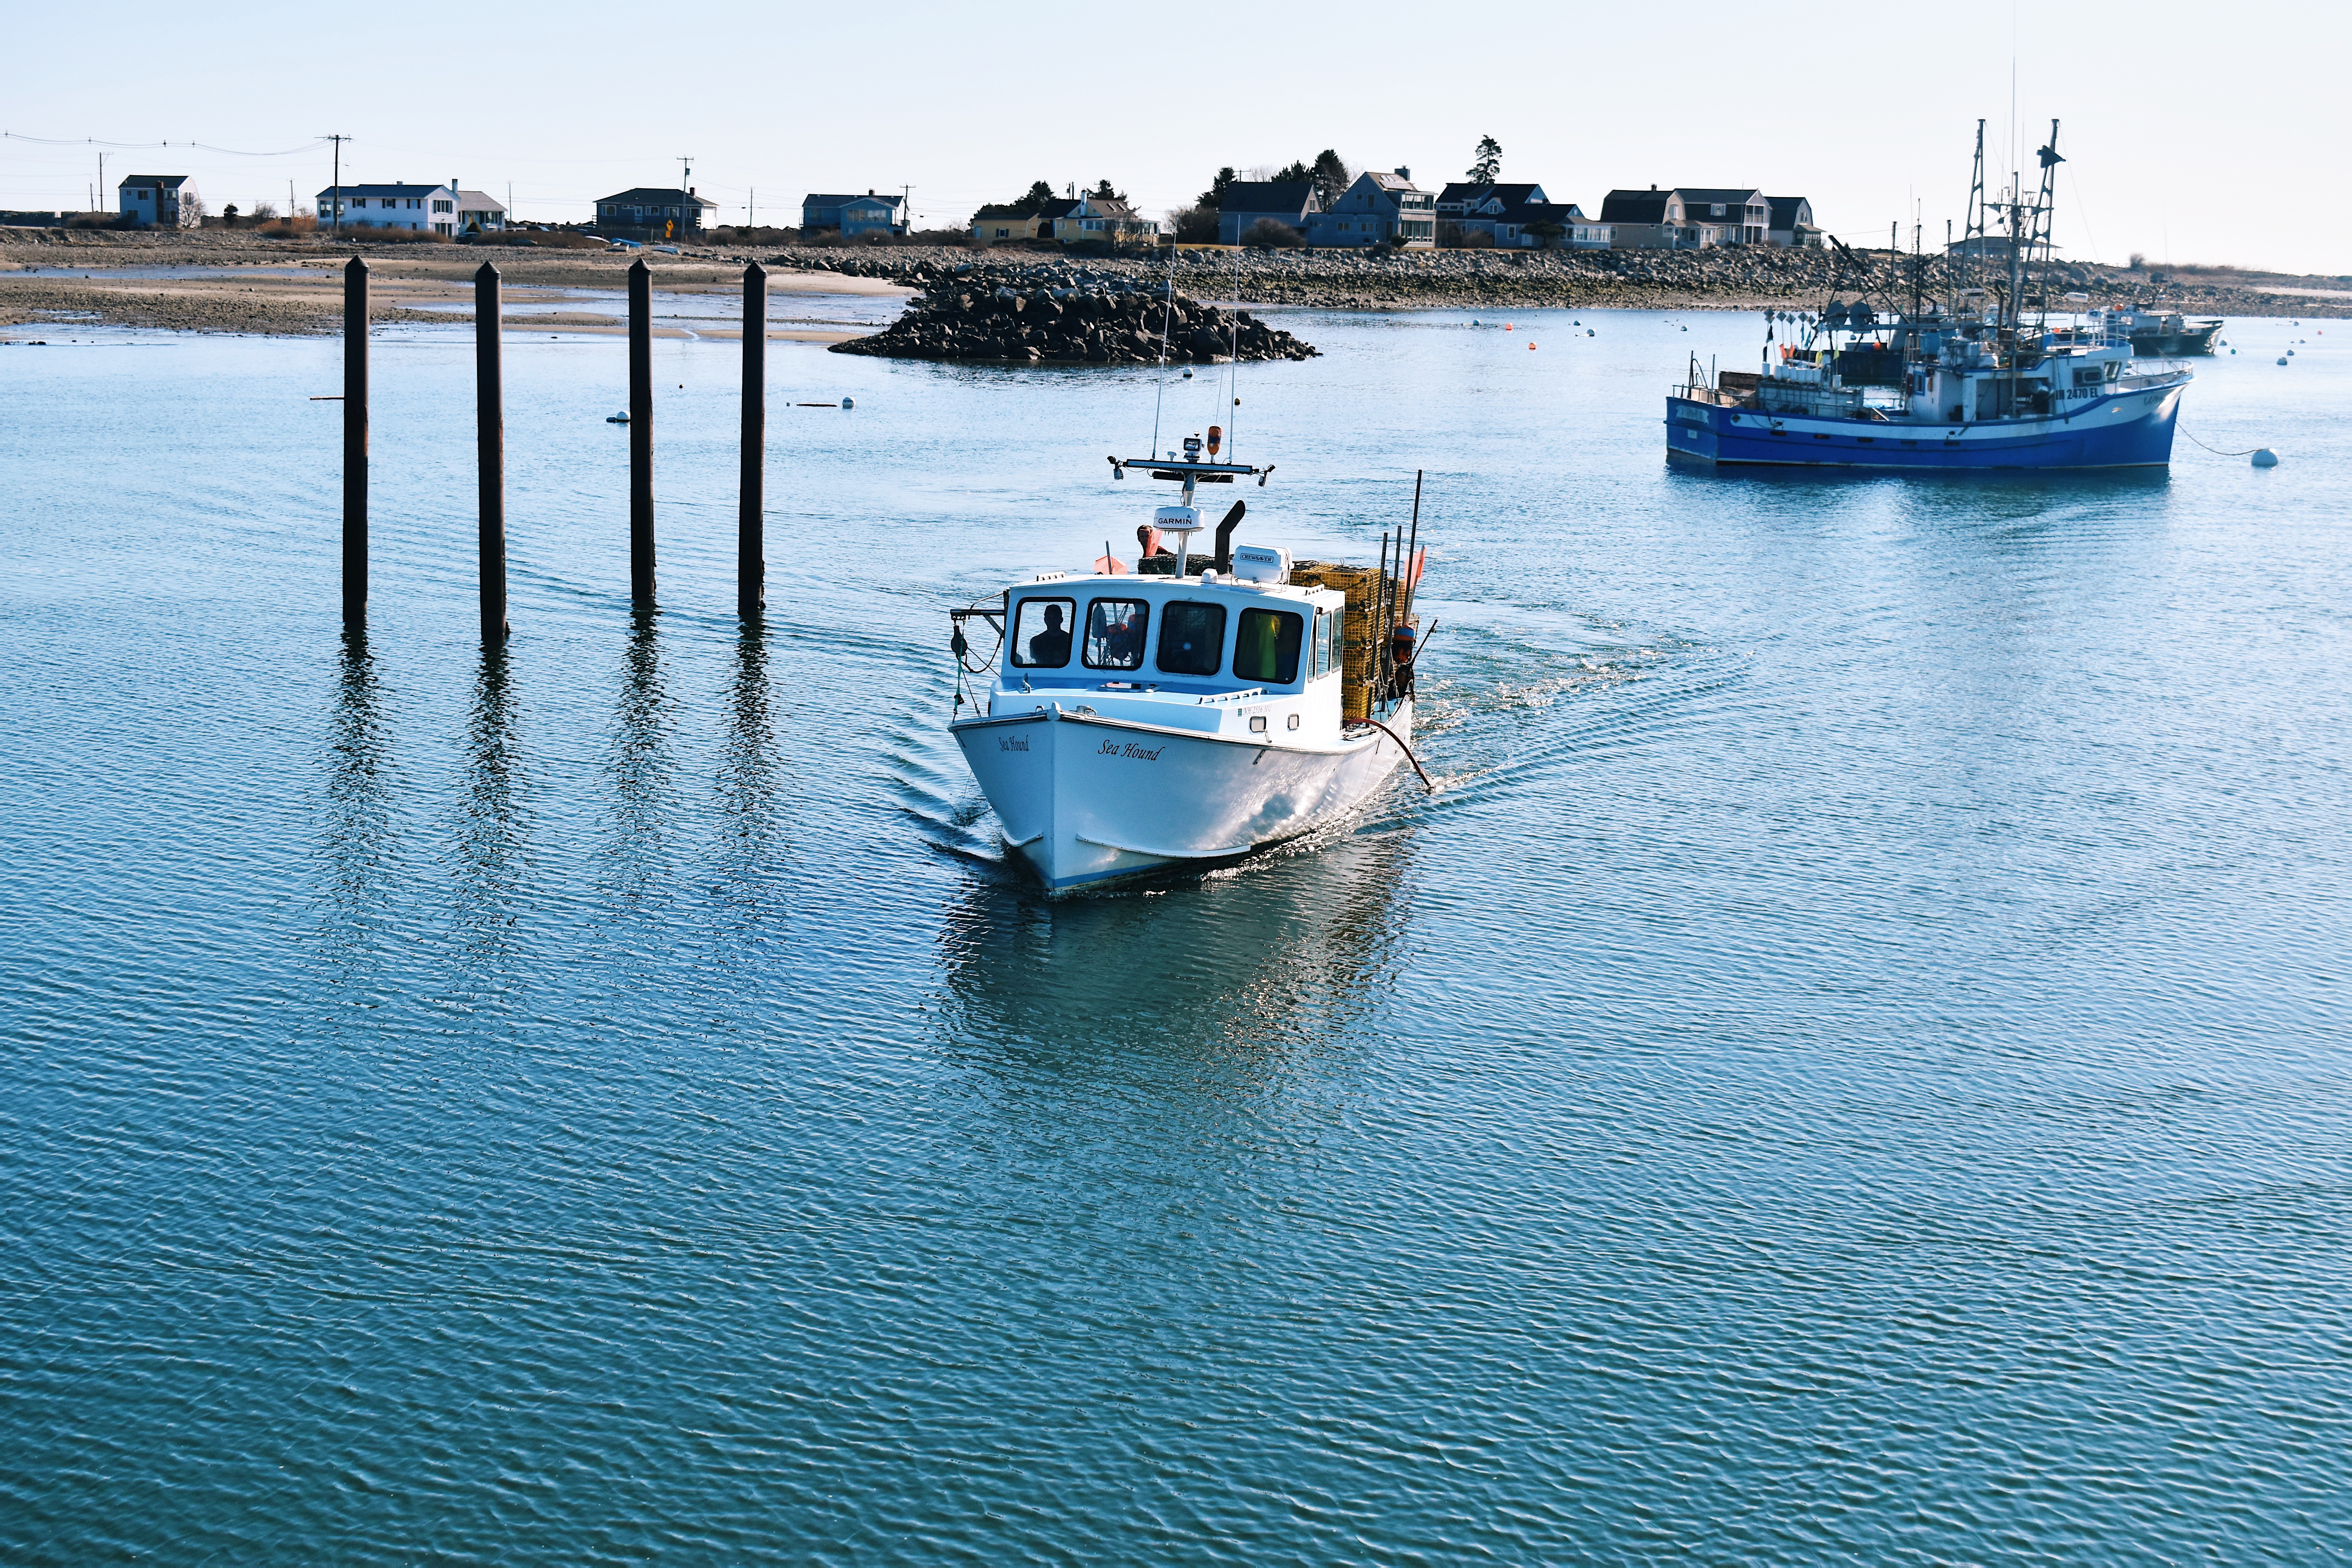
641	434
355	441
750	528
490	454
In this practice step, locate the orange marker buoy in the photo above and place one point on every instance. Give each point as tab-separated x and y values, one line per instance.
1531	347
1506	326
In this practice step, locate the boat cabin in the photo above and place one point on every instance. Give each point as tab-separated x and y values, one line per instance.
1940	371
1217	652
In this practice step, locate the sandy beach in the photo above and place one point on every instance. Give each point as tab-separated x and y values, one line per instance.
215	283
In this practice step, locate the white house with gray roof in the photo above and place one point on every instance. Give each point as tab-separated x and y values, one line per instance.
431	209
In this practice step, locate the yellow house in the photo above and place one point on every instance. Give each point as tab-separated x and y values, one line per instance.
1001	223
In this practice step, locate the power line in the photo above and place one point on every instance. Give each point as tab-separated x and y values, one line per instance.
206	146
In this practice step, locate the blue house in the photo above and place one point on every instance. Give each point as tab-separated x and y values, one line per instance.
1378	210
1294	204
160	200
868	214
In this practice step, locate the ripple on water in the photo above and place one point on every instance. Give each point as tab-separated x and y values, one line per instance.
1846	1066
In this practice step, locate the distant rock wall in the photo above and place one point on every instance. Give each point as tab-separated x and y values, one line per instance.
1732	277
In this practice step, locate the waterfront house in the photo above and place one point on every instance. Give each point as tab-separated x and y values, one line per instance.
1466	207
651	212
1378	209
1005	220
1792	223
431	209
160	200
1294	204
1100	217
1637	220
873	213
1722	215
477	213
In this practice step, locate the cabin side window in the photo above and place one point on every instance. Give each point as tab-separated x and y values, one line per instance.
1268	648
1114	632
1191	638
1041	632
1326	642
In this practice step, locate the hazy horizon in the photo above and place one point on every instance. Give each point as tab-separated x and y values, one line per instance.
2171	136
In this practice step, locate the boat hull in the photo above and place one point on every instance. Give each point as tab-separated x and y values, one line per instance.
1089	801
2176	345
2125	429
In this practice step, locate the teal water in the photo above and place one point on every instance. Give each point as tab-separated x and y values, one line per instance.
1850	1066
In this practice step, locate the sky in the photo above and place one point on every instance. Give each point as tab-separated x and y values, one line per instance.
2192	133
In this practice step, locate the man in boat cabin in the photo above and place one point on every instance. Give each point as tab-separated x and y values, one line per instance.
1051	647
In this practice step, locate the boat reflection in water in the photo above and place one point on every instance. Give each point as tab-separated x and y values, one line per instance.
1287	952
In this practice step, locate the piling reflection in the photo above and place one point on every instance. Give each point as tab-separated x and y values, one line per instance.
639	769
359	831
750	800
1238	972
491	827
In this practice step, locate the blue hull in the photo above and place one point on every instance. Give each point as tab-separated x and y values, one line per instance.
2130	429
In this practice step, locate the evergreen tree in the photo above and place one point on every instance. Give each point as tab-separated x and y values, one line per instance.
1330	176
1296	172
1034	201
1214	196
1489	166
1107	194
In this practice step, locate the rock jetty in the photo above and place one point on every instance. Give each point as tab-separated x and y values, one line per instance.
1078	320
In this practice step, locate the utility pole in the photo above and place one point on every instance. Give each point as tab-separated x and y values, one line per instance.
335	224
101	181
907	205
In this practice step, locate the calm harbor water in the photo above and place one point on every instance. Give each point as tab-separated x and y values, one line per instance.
1850	1067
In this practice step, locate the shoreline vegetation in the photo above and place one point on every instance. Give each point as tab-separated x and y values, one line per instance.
238	282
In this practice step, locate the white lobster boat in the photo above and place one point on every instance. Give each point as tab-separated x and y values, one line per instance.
1132	722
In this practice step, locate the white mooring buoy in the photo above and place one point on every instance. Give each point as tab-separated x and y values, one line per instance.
2265	459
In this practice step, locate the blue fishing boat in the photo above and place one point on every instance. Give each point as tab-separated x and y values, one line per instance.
1990	377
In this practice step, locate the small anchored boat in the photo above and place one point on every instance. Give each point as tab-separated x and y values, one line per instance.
1131	720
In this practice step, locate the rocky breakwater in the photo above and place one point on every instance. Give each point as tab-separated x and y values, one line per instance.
1104	322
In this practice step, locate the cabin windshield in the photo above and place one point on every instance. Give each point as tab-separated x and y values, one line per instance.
1191	638
1267	647
1115	633
1041	632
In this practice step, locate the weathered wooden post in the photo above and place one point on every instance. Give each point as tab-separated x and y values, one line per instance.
356	440
490	458
750	536
641	434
